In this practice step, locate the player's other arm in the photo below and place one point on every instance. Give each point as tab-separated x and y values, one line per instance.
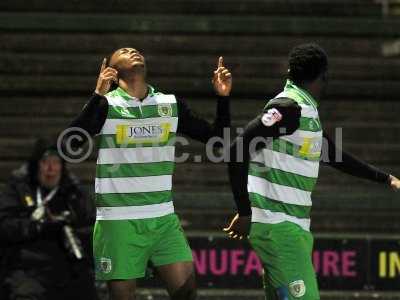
353	166
280	117
196	127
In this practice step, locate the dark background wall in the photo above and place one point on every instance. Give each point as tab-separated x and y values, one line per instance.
51	51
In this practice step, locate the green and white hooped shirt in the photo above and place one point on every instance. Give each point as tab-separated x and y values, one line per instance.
136	157
283	175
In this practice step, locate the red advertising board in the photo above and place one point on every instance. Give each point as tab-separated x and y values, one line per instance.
348	263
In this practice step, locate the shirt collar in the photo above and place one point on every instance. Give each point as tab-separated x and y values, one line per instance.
121	93
291	85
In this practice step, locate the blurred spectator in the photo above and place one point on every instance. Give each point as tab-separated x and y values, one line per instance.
42	211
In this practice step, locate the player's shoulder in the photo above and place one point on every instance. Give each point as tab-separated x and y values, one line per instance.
164	98
280	109
282	102
97	101
161	97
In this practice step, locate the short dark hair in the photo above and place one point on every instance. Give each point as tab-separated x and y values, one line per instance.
307	62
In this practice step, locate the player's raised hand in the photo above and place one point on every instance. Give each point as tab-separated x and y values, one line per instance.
106	76
394	183
222	79
239	227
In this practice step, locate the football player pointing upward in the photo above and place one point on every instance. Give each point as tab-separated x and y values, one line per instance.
136	125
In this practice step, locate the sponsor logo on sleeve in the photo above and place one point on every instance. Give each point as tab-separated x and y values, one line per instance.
271	117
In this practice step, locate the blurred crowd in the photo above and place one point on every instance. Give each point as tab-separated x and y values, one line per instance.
46	221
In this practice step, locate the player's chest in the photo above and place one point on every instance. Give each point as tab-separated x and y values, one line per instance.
142	124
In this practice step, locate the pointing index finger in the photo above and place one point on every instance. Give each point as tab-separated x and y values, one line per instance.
103	65
220	62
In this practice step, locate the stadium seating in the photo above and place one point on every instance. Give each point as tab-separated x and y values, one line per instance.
51	52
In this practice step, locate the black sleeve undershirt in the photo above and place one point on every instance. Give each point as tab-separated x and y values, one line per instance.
238	171
91	119
94	114
352	165
199	129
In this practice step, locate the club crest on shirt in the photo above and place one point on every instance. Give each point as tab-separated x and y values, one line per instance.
297	288
165	110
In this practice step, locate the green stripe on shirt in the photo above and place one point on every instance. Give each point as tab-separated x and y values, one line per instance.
142	112
289	148
135	169
282	177
107	141
298	211
132	199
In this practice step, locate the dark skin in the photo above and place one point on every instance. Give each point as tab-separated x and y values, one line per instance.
127	67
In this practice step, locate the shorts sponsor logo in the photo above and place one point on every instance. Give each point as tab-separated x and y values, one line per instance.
297	288
105	265
165	110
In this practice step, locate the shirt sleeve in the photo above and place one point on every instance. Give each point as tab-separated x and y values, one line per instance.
198	128
280	117
349	164
91	119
